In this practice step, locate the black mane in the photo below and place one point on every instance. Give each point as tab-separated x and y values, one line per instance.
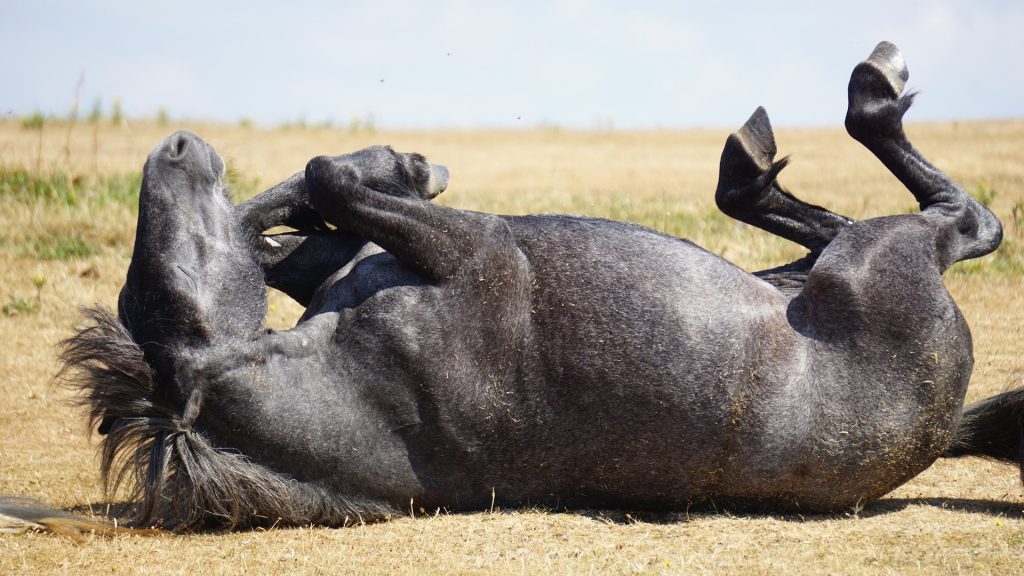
176	478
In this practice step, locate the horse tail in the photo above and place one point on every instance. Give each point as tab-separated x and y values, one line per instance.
23	514
993	428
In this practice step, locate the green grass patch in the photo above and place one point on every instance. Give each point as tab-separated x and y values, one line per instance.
985	194
62	188
62	247
240	187
22	185
17	305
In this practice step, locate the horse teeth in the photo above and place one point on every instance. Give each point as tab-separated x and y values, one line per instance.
273	243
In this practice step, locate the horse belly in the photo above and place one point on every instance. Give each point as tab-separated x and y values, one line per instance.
649	393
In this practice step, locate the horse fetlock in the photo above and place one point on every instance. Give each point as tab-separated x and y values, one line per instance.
326	174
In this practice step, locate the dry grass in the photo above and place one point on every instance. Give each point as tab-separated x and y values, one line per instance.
962	516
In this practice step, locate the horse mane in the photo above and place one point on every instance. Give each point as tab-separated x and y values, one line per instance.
175	477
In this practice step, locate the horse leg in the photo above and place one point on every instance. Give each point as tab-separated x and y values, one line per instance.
895	261
993	427
295	263
748	190
875	119
890	353
431	239
285	204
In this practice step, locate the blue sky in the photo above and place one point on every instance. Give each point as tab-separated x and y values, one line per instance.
462	64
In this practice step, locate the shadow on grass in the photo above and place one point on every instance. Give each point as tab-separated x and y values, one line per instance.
103	510
996	508
970	505
881	507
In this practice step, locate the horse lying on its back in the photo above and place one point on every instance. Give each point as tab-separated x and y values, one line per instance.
456	359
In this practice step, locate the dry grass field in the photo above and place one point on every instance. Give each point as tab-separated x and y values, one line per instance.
66	242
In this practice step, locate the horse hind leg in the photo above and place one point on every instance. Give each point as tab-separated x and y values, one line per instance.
749	191
875	119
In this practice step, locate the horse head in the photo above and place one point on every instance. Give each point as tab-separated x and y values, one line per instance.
193	309
193	281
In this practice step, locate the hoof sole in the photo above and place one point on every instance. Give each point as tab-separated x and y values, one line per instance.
747	168
876	108
884	70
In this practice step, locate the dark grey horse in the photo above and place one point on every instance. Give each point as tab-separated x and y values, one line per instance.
538	360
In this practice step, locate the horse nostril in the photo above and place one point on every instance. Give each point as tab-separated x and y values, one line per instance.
178	145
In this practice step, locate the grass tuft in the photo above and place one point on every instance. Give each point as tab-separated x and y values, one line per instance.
17	305
33	122
62	188
64	247
985	195
22	185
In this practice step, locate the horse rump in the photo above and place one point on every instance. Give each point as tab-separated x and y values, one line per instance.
993	428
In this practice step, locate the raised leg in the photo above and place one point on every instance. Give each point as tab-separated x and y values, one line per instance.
295	263
889	353
749	191
431	239
286	204
875	119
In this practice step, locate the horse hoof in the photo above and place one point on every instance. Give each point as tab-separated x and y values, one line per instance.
747	170
875	105
749	151
885	69
756	140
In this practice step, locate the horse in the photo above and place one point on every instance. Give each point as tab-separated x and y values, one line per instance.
457	360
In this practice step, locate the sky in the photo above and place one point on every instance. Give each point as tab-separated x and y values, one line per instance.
475	64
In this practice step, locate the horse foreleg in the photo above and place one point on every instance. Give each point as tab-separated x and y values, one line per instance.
295	263
286	204
431	239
